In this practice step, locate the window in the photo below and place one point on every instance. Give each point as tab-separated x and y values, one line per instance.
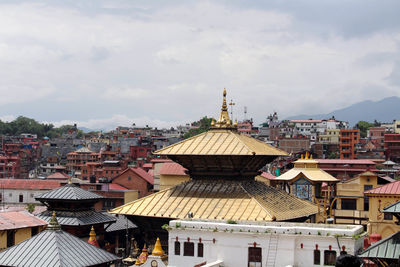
200	250
188	249
317	257
254	257
10	238
34	231
349	204
388	216
330	257
177	248
366	203
21	198
129	178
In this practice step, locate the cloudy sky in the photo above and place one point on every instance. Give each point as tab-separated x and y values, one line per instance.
107	63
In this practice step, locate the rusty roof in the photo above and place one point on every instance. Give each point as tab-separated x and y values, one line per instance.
172	168
221	200
387	189
58	175
29	184
19	219
139	172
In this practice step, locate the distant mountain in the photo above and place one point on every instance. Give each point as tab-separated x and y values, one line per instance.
385	110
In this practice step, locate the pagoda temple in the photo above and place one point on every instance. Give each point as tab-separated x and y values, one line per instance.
74	208
222	165
54	247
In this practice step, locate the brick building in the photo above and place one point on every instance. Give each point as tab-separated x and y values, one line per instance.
347	143
392	146
294	144
134	178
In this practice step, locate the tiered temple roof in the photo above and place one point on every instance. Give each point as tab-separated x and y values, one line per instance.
222	164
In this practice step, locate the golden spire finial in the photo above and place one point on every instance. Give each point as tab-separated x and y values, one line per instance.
158	251
53	223
212	122
92	238
310	156
306	155
235	124
70	180
224	121
302	157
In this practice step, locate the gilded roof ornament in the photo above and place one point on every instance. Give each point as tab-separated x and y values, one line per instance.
92	238
53	224
224	121
158	251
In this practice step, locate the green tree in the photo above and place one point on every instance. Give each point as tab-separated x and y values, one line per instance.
205	124
363	126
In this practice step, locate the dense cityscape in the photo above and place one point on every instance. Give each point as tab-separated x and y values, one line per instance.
200	133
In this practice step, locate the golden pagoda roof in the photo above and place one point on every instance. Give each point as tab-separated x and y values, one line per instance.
220	200
222	139
309	168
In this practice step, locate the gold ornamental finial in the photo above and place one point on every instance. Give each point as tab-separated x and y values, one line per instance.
235	124
53	223
306	155
92	238
224	121
158	251
212	122
143	256
311	156
70	180
302	157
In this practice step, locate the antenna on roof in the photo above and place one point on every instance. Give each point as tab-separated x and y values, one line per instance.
245	113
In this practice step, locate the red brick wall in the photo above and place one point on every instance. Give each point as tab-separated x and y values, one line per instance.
132	181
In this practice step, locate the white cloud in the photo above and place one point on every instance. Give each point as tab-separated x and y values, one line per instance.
171	62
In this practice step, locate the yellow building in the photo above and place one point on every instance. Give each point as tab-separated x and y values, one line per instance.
172	174
17	226
380	198
352	206
306	178
331	136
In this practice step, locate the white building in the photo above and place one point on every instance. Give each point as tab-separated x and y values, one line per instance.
259	245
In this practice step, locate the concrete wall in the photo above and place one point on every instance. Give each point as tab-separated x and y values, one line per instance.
282	244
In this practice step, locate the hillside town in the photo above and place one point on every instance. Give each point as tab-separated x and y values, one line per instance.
215	192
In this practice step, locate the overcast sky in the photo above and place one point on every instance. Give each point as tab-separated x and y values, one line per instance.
107	63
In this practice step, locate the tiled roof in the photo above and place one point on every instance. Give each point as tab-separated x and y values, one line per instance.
221	200
394	208
388	248
58	175
387	189
268	175
77	218
19	219
116	187
172	168
148	165
68	192
84	150
55	248
221	142
28	184
140	172
345	161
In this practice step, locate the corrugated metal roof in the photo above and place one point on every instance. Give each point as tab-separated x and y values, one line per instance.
172	168
57	249
120	224
71	218
221	200
68	192
388	248
393	208
312	174
19	219
221	142
28	184
387	189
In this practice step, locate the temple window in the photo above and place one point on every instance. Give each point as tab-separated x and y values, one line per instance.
349	204
200	250
388	216
317	257
177	248
188	249
330	257
254	257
